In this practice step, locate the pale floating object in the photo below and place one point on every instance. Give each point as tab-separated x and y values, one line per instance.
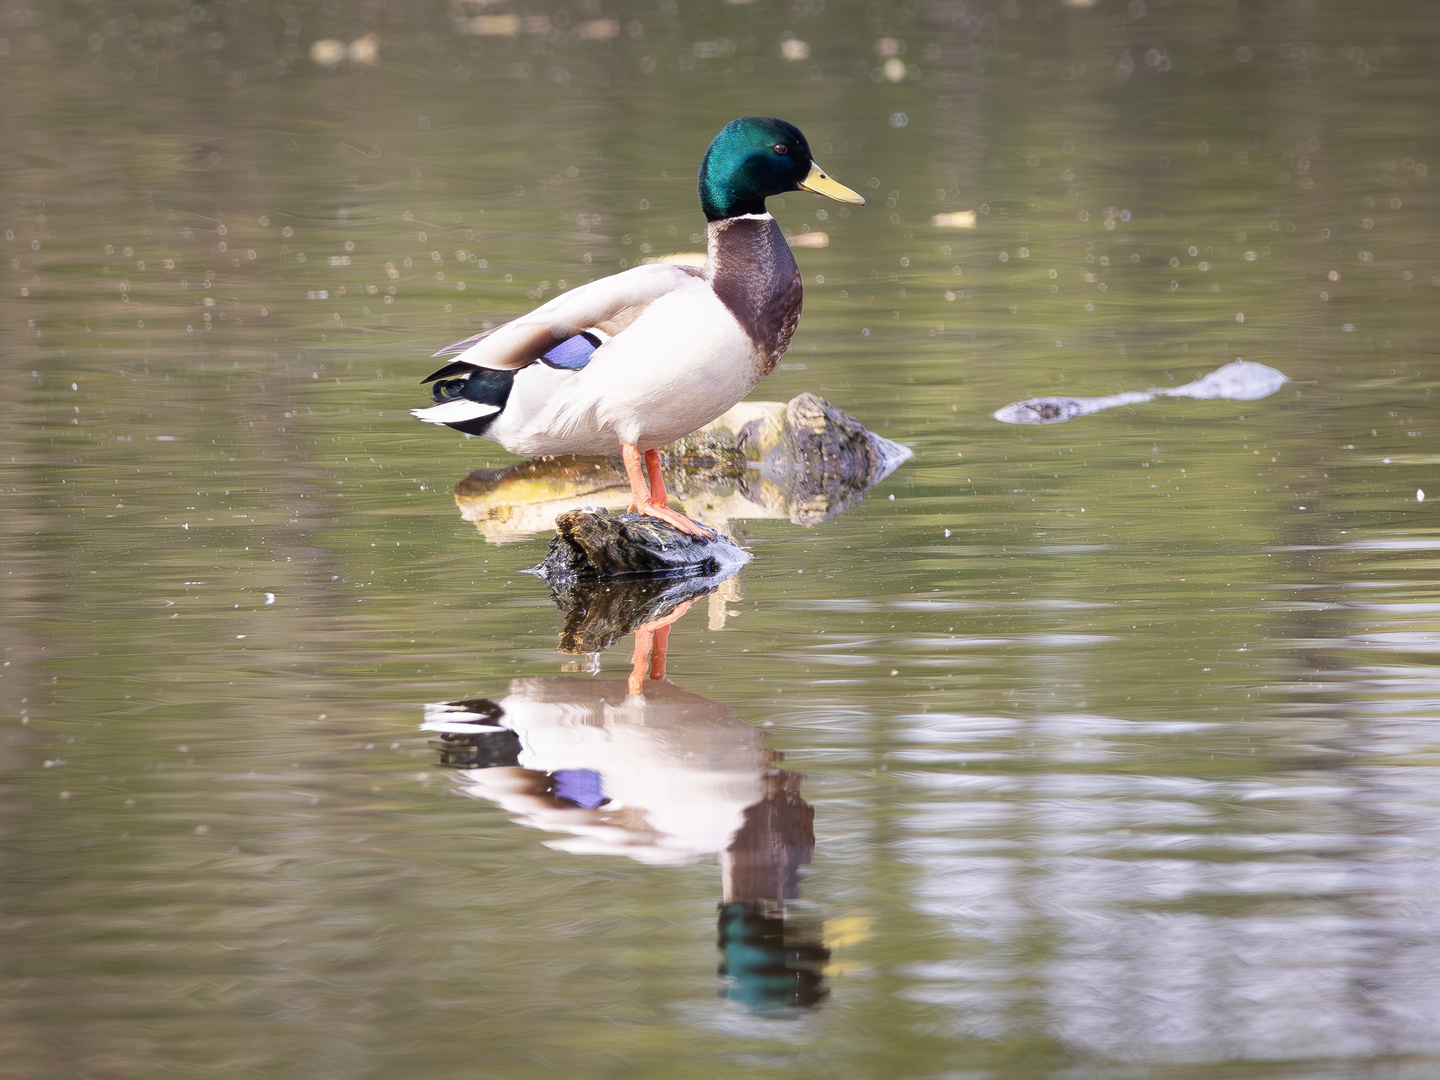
893	69
491	25
959	219
598	30
327	52
681	258
1239	380
1419	494
809	240
794	49
365	51
504	25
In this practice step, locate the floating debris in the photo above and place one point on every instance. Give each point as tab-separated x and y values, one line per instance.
794	49
1239	380
365	50
598	30
328	52
959	219
503	25
681	258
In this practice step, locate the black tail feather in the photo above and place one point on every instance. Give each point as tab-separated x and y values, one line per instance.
459	367
485	385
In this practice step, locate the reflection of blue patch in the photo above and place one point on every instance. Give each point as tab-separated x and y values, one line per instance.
581	786
573	353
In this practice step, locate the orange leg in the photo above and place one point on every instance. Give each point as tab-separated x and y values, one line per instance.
652	636
643	488
657	481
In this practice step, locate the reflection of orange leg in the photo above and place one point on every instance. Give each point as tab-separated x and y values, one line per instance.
643	492
657	654
638	660
652	636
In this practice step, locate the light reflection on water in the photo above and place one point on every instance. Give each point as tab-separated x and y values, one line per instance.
1118	733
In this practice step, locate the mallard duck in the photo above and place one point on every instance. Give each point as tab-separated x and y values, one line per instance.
634	361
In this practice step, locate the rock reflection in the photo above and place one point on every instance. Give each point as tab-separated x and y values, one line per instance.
803	460
598	611
644	769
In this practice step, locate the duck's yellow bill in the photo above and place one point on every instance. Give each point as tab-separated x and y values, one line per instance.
821	184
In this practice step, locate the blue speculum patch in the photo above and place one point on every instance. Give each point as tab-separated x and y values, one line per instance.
573	353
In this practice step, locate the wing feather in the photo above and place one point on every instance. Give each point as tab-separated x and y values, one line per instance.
461	346
609	305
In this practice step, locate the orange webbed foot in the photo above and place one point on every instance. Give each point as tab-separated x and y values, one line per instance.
672	517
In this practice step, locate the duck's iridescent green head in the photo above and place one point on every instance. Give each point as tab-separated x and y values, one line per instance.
755	157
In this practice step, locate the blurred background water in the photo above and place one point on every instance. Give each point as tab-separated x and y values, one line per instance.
1119	734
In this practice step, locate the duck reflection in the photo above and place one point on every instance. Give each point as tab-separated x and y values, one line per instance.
804	460
640	768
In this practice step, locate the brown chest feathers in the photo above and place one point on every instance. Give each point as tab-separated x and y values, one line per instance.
755	276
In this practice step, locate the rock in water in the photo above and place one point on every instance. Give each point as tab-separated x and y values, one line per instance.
804	460
594	545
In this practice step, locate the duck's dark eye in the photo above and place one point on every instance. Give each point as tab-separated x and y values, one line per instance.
780	148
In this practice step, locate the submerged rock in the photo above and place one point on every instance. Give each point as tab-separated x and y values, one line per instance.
804	460
1239	380
1052	410
820	459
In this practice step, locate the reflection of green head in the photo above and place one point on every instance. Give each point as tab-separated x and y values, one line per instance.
751	159
770	966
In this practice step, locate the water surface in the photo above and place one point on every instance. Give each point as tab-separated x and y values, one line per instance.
1118	733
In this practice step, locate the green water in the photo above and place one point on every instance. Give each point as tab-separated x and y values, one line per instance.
1120	734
